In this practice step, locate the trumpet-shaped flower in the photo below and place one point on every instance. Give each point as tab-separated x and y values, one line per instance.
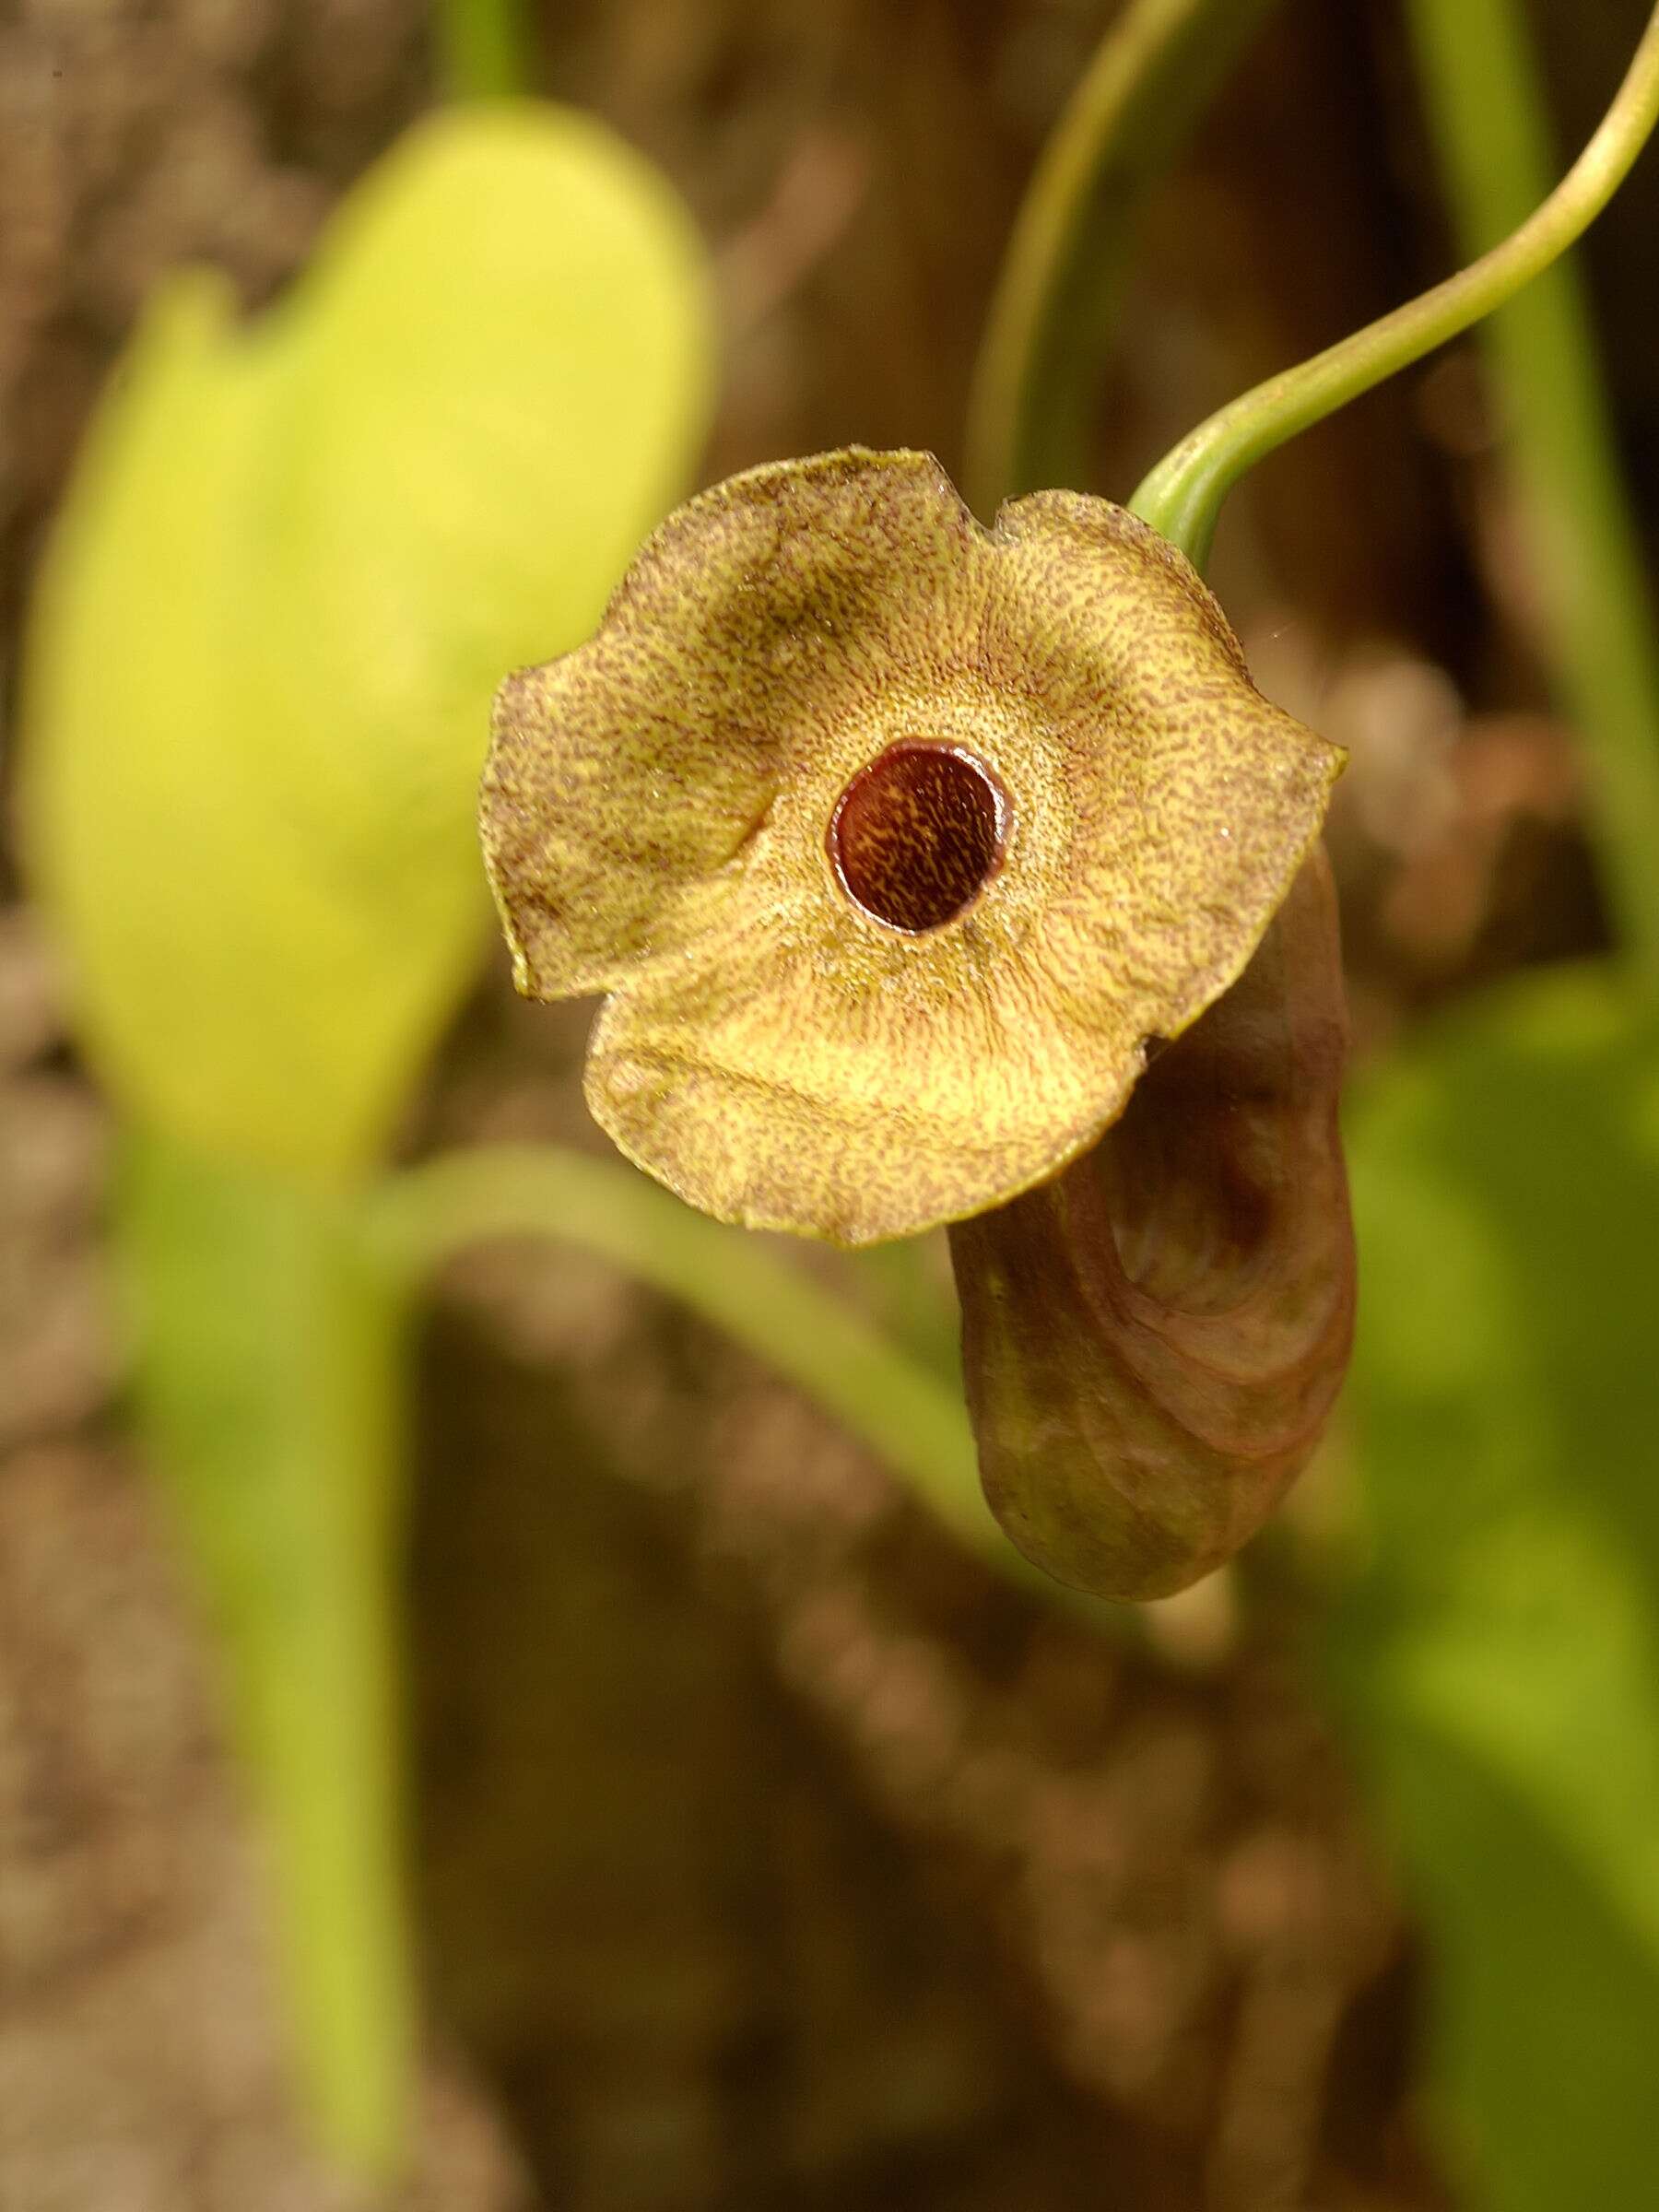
891	840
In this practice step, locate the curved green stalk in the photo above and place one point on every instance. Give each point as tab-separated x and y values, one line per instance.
483	48
270	1389
1150	80
1183	495
1483	94
912	1418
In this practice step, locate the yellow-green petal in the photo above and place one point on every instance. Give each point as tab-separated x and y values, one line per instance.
763	616
661	810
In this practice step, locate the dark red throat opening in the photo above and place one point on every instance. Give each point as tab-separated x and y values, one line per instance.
918	833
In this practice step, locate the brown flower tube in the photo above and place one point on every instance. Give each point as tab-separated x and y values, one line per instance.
1153	1340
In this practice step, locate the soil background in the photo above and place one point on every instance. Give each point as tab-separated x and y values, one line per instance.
767	1850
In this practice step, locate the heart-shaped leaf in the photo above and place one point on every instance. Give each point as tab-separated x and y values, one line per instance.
296	559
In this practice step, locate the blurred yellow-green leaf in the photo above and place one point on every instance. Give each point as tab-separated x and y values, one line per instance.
1499	1654
298	557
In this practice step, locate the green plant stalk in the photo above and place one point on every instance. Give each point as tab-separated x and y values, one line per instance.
1155	72
484	49
1490	126
1182	496
914	1421
202	852
270	1392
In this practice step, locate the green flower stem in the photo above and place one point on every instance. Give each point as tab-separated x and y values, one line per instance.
484	48
1483	94
269	1392
912	1418
1150	81
1183	495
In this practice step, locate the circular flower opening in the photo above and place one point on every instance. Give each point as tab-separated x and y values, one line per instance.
917	834
889	837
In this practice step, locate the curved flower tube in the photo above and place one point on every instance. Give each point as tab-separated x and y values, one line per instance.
892	839
1153	1341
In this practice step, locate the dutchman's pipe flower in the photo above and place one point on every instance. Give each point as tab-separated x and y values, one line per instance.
897	845
891	839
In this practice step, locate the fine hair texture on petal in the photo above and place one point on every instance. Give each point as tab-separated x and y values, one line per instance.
660	818
1154	1340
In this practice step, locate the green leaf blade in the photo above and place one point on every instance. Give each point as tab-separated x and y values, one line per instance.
1499	1658
296	563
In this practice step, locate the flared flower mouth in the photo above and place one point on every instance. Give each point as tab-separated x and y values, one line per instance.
891	839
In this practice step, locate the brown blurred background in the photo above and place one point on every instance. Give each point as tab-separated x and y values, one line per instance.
768	1852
